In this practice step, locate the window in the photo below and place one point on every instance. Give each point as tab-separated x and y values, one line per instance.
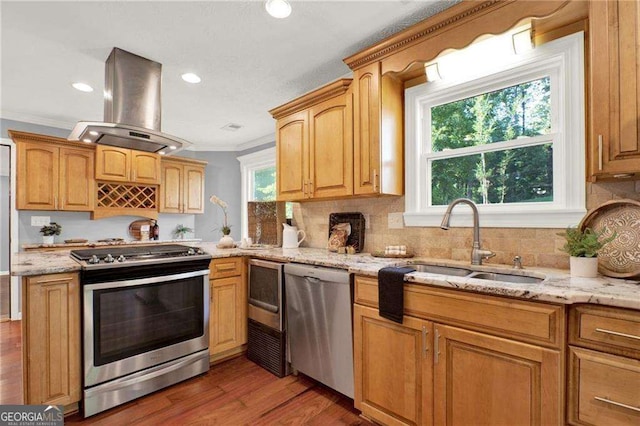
258	175
511	140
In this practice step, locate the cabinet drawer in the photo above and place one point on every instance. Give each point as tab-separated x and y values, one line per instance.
226	267
538	323
607	329
603	389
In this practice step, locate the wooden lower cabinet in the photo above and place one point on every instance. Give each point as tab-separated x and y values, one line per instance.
393	370
51	335
482	379
228	309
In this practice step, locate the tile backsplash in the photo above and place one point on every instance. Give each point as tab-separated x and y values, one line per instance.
537	246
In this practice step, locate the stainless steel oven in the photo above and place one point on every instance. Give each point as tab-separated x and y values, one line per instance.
266	344
145	325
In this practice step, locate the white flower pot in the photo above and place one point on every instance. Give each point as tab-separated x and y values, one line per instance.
226	242
48	239
584	267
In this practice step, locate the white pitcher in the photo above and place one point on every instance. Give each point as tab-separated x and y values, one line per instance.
290	236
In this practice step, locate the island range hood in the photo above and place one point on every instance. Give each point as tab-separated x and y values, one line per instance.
132	107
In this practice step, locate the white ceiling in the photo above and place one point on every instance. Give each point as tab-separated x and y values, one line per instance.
249	62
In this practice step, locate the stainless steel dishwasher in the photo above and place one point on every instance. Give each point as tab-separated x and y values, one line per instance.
319	324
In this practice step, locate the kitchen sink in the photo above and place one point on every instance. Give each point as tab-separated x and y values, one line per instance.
508	278
470	273
442	270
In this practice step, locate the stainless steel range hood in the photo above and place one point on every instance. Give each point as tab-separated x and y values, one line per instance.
132	107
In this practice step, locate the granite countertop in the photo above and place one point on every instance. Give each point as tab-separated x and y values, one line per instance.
558	286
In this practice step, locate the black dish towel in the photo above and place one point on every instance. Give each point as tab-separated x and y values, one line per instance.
391	292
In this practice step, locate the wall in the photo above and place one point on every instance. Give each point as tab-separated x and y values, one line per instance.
537	247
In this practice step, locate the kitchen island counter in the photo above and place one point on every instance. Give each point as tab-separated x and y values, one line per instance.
558	287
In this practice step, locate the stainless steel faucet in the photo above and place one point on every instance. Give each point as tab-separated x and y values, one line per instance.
477	253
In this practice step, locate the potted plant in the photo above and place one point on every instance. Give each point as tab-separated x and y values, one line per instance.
49	232
181	230
583	246
226	241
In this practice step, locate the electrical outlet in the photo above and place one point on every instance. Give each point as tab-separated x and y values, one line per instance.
40	220
367	225
395	220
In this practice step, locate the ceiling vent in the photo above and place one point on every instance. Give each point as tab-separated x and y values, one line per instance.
231	127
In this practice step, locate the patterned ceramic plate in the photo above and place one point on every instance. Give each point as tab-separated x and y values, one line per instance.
621	257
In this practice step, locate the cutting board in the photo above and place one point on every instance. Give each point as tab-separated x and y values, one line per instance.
134	227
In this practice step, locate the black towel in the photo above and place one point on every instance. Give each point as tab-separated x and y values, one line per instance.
391	292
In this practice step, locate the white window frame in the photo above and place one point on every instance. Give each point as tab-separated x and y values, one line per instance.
249	164
562	60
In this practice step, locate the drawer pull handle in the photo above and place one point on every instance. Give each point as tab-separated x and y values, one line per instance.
619	404
226	267
617	333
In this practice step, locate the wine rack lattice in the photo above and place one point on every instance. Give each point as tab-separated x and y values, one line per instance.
125	196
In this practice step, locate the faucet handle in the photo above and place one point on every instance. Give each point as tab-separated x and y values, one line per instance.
486	254
517	262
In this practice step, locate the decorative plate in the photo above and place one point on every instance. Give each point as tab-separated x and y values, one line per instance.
621	257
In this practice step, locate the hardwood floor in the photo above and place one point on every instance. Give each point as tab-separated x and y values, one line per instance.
10	362
236	392
5	297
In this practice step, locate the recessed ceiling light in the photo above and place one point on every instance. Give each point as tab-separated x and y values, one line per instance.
278	8
83	87
191	78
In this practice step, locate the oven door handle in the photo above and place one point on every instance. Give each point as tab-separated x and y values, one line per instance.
266	306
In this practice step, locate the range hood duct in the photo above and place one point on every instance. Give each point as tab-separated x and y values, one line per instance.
132	107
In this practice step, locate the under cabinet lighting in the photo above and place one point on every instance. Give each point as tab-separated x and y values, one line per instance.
162	153
93	133
191	78
433	73
87	140
83	87
278	8
172	147
522	41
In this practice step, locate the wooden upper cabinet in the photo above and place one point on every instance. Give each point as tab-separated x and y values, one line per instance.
54	177
145	167
292	165
314	144
378	133
182	186
113	164
127	165
615	89
331	148
77	186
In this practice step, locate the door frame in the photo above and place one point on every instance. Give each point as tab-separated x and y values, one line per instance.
16	313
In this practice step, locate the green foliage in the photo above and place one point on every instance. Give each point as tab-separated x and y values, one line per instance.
264	183
584	243
180	231
506	176
51	229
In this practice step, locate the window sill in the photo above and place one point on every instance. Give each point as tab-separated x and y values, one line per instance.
537	218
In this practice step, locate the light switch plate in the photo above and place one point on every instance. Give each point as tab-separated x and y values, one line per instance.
395	220
40	220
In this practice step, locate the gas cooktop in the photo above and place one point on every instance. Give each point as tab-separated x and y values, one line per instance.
136	255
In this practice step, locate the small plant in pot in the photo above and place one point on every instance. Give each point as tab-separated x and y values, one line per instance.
49	232
583	246
181	231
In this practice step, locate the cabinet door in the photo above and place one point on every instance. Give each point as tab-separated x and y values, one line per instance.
228	314
193	190
37	178
292	156
615	87
367	115
331	148
51	332
500	381
77	185
393	368
145	167
171	188
113	164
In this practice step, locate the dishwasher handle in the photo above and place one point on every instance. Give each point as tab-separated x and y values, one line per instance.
266	306
312	279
